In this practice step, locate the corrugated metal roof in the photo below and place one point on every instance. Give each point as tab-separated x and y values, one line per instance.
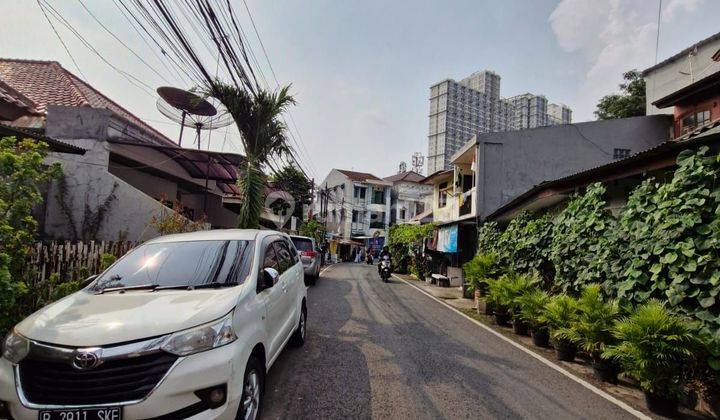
55	145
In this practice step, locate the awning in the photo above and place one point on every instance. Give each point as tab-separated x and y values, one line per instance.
199	164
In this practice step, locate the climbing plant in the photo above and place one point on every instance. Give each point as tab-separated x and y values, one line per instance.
580	242
668	239
526	242
488	238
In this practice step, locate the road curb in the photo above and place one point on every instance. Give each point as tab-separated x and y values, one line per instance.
537	356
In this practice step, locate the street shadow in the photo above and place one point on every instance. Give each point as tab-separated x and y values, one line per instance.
383	350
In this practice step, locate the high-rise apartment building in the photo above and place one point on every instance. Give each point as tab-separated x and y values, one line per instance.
530	111
559	114
459	110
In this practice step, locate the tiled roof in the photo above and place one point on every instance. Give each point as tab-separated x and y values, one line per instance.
47	83
10	95
358	176
410	176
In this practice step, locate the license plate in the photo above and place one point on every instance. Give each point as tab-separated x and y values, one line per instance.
104	413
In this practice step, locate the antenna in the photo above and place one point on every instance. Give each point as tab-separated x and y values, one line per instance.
418	161
192	110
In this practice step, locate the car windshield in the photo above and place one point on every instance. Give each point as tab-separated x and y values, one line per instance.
302	244
191	263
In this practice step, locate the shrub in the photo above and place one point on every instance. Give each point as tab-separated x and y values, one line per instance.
592	330
654	347
23	172
106	260
580	241
404	241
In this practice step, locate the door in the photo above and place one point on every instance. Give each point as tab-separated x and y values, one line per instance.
288	284
274	302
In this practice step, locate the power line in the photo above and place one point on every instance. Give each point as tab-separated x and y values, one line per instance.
61	40
272	70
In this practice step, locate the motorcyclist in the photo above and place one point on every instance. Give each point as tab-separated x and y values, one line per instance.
385	251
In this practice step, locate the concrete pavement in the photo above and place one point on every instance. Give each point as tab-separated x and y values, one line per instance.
377	350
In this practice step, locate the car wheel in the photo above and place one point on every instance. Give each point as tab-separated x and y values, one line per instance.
298	337
251	402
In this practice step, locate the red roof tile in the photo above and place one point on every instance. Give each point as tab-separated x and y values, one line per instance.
47	83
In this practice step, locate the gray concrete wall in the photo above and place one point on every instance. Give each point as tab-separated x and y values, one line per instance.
511	163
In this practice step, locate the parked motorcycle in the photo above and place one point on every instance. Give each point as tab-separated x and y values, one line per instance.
385	268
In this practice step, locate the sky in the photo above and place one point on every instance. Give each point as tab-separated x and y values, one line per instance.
361	70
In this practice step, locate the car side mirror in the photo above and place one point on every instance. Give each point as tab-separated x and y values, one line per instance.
85	283
270	277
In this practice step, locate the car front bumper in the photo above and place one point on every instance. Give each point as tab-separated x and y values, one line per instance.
176	391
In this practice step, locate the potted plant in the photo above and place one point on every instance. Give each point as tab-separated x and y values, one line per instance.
654	347
559	314
592	331
520	284
499	298
477	271
531	308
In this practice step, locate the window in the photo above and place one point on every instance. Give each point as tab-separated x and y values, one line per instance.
621	153
695	119
377	220
359	192
355	216
442	195
270	260
402	214
378	196
283	256
188	263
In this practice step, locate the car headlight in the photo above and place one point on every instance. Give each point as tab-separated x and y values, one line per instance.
15	347
201	338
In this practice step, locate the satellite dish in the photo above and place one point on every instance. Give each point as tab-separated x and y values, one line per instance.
192	110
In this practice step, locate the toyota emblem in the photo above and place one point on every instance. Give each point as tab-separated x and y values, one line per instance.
85	360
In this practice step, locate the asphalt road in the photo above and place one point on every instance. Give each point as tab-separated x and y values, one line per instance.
378	350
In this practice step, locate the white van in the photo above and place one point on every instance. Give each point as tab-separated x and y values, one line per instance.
184	325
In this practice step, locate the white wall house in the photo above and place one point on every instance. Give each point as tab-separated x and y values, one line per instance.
357	206
410	196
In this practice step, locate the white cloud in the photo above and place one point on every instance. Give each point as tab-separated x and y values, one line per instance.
677	6
612	36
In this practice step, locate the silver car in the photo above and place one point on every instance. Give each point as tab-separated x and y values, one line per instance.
310	256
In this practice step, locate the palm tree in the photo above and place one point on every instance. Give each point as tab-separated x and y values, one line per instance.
258	118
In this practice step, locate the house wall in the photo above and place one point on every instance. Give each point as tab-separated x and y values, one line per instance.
511	163
682	110
89	181
679	73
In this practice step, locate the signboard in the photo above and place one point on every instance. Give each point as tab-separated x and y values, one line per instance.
447	239
377	242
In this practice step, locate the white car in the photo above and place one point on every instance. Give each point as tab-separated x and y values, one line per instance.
183	326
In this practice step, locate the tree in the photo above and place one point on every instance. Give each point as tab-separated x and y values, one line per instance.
630	102
313	229
293	181
263	134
